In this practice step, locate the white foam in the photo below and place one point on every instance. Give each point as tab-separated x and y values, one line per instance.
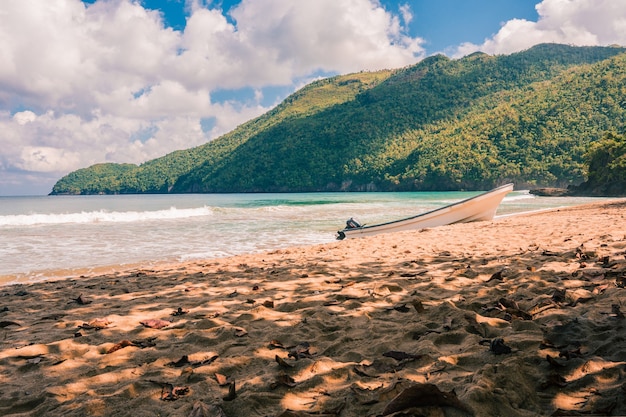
102	216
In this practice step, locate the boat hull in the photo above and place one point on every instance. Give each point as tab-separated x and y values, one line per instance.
479	208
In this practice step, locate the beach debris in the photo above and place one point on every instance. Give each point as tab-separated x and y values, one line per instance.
282	362
221	380
276	344
268	304
184	361
5	323
180	312
96	324
378	367
170	392
424	395
120	345
553	380
155	323
511	307
553	362
233	294
80	300
401	356
200	409
240	332
402	308
283	380
145	343
232	392
572	353
136	343
615	311
300	351
417	305
498	276
498	347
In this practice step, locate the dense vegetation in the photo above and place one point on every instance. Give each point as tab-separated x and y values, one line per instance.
607	167
441	124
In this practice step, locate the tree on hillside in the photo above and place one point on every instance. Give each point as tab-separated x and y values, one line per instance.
606	161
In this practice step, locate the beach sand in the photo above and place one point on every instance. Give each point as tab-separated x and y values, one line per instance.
516	317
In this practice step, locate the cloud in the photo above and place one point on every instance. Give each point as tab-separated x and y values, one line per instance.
109	81
574	22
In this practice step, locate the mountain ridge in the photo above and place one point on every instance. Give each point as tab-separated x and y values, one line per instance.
440	124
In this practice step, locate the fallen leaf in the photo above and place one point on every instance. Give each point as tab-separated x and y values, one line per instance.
180	312
498	347
81	301
221	379
274	344
232	392
97	324
120	345
300	351
283	380
184	360
417	304
155	323
144	343
400	356
172	393
240	332
282	362
402	308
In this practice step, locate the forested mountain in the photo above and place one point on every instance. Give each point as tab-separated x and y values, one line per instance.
442	124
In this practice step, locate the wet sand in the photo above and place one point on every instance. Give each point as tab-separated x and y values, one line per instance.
521	316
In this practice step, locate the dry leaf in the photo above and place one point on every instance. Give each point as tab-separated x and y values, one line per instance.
120	345
221	379
155	323
240	332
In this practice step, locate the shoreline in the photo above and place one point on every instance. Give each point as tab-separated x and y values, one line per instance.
519	316
57	274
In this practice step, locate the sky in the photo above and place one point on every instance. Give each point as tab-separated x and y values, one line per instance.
127	81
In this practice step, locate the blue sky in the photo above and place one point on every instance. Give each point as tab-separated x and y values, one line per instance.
85	82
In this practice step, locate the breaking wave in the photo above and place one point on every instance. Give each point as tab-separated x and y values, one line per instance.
102	216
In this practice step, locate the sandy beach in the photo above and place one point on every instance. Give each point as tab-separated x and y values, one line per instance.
521	316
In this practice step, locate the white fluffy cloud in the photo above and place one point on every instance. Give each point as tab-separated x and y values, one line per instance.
575	22
110	82
81	84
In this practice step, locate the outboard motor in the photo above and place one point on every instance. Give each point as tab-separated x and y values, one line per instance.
352	224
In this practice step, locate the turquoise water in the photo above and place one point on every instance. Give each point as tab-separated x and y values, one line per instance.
40	236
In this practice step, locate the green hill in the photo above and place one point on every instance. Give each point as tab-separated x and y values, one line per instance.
441	124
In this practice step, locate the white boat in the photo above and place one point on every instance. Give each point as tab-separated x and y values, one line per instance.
478	208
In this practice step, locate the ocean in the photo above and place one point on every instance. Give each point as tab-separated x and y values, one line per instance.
46	237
